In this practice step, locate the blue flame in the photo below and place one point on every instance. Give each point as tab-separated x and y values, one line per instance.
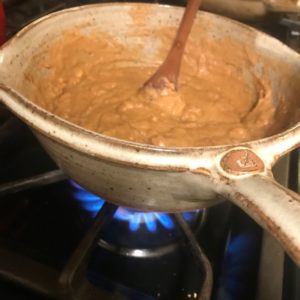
87	201
238	266
135	219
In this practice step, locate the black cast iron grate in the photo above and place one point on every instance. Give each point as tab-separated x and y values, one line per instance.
71	282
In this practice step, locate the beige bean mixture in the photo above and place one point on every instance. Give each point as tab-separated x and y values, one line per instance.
94	82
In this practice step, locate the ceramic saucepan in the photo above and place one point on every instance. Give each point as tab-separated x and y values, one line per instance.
166	179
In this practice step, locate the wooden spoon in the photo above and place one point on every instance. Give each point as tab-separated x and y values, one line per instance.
168	72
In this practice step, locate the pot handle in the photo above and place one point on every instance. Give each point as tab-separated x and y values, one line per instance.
274	207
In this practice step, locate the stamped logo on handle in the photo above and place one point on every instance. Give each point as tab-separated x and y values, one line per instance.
241	161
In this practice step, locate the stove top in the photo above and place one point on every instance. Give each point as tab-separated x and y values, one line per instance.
21	12
59	241
39	245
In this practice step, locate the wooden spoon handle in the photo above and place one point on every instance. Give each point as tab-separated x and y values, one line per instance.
171	66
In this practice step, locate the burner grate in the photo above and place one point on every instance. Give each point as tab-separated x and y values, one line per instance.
71	282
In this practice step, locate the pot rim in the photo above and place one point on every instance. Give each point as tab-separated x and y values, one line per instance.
121	151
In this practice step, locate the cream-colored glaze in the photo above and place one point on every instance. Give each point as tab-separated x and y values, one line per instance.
94	81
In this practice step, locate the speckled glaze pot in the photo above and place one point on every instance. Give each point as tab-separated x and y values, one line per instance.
153	178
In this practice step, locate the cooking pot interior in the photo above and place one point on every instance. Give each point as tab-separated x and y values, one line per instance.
148	30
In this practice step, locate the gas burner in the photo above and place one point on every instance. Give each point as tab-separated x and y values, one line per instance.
135	219
131	232
138	253
56	263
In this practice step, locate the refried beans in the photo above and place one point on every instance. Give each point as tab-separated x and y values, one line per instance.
94	81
